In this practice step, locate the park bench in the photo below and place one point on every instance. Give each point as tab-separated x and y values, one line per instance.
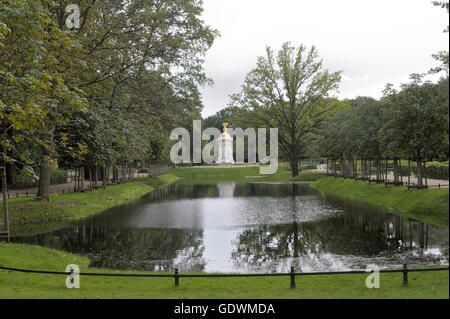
418	186
3	234
393	183
378	181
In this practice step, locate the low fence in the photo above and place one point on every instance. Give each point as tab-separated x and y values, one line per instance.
149	170
176	275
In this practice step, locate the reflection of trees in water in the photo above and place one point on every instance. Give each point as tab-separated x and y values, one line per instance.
187	191
359	231
149	249
364	235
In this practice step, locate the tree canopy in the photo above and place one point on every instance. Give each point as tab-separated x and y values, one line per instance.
106	93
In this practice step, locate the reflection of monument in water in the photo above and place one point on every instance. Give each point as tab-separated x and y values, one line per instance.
226	189
224	147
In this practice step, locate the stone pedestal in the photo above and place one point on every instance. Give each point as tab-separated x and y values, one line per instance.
224	147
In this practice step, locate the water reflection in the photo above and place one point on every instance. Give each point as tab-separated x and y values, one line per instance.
249	228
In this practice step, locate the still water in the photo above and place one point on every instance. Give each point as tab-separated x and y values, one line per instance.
253	227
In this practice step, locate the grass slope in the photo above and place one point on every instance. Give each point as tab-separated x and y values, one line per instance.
23	285
28	215
205	175
428	205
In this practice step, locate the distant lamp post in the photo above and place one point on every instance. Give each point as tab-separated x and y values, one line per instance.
5	203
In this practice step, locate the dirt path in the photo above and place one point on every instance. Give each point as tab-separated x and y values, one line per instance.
68	187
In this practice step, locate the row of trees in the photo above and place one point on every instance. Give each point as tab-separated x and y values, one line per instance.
291	90
103	94
411	123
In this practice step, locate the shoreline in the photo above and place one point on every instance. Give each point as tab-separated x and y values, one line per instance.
427	205
29	217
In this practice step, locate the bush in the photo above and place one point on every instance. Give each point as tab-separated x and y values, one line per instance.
57	176
435	170
22	181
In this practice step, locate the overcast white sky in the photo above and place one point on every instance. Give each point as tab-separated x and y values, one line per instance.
373	42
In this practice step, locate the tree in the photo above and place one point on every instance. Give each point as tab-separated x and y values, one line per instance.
441	56
216	120
36	94
417	122
103	94
290	92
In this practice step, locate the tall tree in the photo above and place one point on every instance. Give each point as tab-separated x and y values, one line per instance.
36	94
417	122
289	91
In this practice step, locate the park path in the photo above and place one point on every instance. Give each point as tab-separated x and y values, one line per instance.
431	182
54	189
68	187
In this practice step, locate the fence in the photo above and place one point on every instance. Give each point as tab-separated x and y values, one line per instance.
73	186
292	274
389	172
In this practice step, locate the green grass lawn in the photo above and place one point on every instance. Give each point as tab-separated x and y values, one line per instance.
23	285
428	205
202	175
28	216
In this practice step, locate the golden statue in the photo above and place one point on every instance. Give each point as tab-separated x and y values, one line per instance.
225	127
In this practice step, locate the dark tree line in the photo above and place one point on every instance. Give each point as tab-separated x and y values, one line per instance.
105	94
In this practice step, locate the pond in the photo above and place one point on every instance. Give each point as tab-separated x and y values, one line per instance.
248	227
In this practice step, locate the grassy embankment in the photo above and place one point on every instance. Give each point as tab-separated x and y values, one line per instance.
428	205
23	285
28	216
202	175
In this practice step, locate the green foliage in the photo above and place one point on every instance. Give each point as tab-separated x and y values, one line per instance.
216	120
25	180
410	123
416	121
436	170
289	91
104	94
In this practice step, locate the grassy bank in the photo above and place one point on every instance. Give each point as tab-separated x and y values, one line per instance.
23	285
204	175
28	215
428	205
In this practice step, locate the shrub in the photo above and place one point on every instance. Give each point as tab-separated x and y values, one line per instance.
435	170
57	176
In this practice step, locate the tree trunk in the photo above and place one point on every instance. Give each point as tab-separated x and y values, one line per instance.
9	174
419	173
82	177
5	199
43	193
294	166
395	172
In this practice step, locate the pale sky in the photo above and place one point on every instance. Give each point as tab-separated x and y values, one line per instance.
372	42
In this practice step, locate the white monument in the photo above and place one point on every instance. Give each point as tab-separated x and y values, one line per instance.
226	189
224	147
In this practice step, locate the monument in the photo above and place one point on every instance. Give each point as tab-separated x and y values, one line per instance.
224	147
